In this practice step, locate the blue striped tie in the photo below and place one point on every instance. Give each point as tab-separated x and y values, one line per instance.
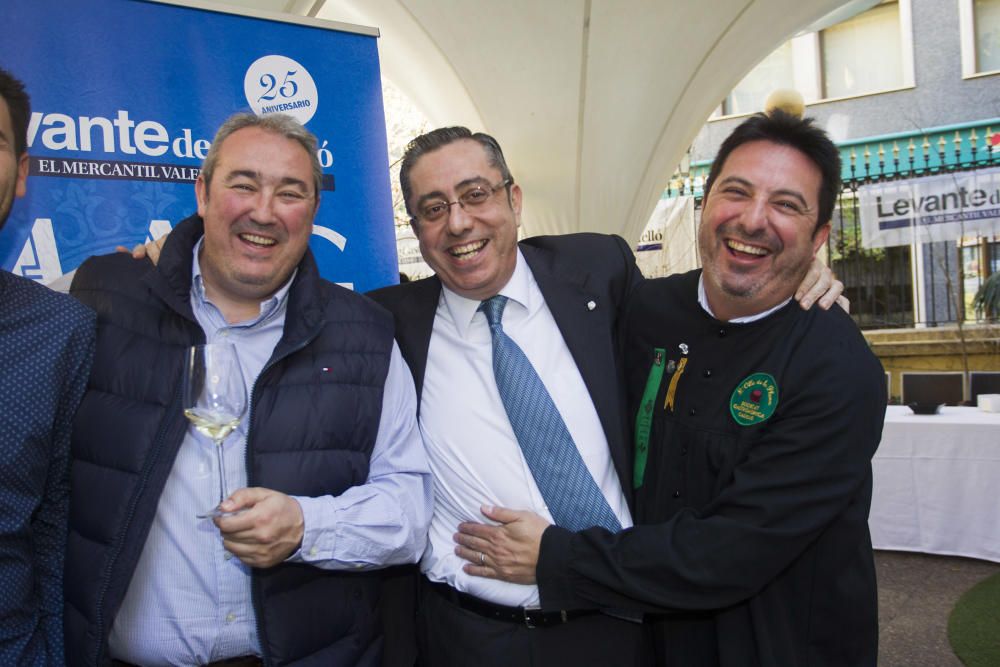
569	490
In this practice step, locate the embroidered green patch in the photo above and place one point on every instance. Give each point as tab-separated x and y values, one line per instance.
754	399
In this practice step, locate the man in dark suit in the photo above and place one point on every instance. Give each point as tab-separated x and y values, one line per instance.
560	300
564	296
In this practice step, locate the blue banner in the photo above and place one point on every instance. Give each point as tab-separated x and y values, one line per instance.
126	96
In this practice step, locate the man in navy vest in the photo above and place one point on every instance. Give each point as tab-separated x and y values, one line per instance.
46	344
331	474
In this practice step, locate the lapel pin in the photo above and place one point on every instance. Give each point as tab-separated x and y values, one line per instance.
591	305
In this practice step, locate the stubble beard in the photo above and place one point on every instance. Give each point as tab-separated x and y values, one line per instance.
743	287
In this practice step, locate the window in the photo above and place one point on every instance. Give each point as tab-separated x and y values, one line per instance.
980	28
838	61
987	18
849	50
775	71
980	258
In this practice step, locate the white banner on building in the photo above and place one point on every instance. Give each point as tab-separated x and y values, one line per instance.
669	242
411	262
934	208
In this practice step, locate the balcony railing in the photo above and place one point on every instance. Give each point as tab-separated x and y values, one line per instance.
917	153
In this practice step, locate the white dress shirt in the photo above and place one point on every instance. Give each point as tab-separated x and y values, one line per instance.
474	456
189	601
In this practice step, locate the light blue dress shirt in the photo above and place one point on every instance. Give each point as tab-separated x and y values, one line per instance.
189	601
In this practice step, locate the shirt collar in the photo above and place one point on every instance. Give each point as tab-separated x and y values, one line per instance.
703	302
267	307
517	290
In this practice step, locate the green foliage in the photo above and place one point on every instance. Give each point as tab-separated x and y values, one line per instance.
845	235
987	297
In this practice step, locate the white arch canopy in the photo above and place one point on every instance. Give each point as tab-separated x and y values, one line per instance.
594	101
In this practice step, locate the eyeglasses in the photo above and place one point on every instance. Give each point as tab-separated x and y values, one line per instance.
471	199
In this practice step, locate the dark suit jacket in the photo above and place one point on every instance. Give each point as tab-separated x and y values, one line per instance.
572	272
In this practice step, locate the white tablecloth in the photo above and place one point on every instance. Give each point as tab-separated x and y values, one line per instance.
937	483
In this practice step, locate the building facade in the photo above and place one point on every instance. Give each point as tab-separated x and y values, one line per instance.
910	91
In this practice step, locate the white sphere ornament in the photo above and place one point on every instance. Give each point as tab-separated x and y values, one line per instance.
788	100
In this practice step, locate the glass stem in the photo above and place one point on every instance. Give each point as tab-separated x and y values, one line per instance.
223	494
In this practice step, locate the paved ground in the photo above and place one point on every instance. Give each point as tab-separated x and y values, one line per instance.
916	592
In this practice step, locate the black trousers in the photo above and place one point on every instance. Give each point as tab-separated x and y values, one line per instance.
449	636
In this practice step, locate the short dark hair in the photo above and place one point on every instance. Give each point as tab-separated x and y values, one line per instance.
439	138
19	104
785	129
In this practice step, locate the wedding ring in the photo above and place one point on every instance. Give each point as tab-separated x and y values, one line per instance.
482	558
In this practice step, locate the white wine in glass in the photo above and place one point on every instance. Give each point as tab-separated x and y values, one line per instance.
215	399
215	425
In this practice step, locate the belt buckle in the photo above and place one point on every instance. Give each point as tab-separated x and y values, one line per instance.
530	624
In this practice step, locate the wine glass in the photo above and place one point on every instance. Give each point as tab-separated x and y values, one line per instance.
215	398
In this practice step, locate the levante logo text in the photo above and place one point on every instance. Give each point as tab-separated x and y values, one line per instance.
60	132
948	201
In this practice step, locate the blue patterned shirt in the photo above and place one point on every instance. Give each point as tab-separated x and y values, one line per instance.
46	348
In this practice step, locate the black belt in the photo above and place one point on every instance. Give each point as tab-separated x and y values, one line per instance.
530	618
